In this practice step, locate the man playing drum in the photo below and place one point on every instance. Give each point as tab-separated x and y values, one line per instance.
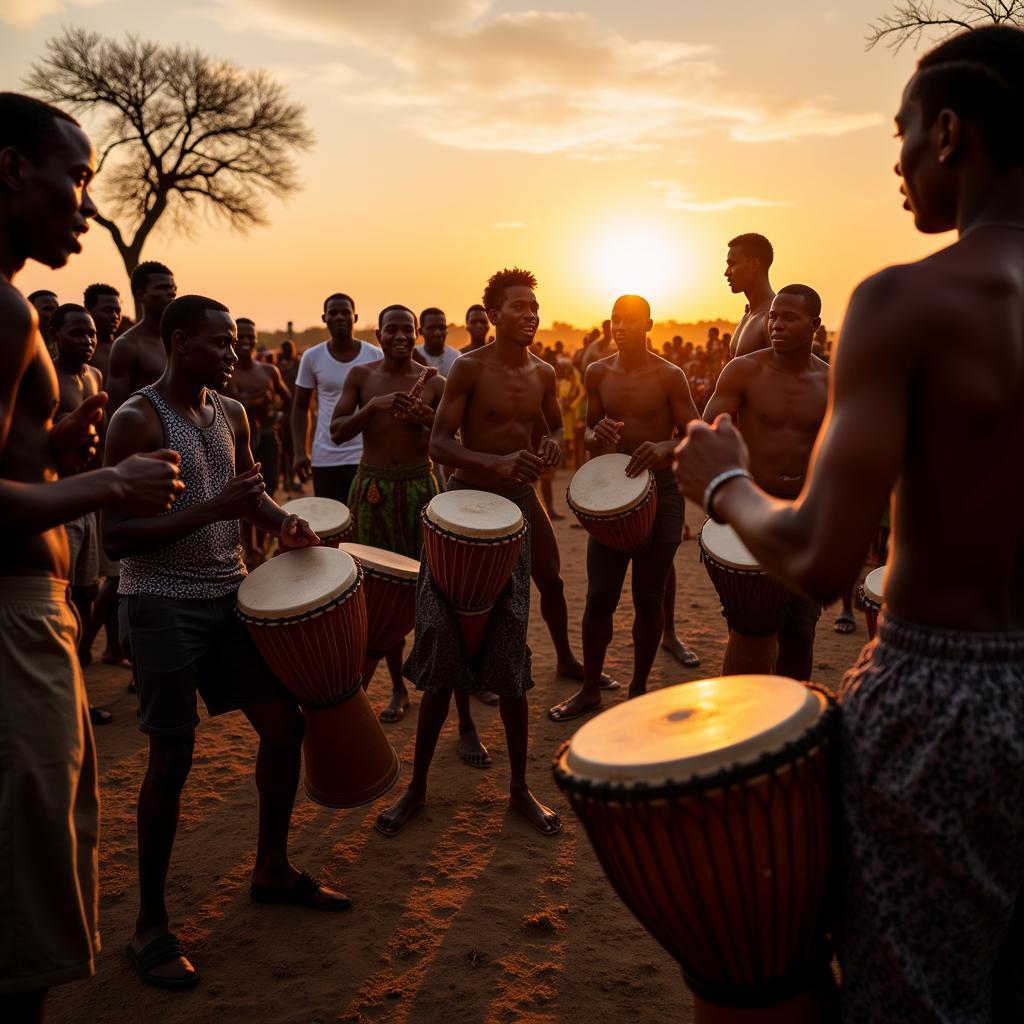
777	397
635	402
493	399
179	576
929	374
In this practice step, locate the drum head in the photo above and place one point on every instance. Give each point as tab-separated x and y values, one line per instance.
874	585
296	582
326	517
389	562
600	487
693	729
475	514
722	543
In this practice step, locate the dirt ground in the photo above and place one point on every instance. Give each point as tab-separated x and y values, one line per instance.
468	913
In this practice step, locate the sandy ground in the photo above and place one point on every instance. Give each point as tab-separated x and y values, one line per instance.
469	913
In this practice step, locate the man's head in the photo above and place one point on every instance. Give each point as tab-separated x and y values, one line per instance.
630	322
46	165
794	317
606	330
74	333
396	331
433	327
153	288
246	336
747	261
199	336
104	304
512	305
712	336
46	303
477	324
960	111
287	350
339	316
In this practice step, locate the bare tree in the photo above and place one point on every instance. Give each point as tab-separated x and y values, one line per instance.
178	132
911	19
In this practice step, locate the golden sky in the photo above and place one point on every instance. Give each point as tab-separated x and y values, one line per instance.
607	146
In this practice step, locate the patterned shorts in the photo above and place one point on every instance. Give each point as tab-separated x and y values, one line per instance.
932	927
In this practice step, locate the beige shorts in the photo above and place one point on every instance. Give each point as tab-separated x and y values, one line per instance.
83	541
49	801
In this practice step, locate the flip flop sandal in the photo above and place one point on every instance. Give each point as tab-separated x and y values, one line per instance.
565	717
301	893
390	833
550	830
162	950
845	624
477	759
99	717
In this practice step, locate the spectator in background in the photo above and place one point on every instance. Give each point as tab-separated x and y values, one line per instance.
46	304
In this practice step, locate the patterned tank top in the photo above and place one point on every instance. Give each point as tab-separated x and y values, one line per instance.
206	563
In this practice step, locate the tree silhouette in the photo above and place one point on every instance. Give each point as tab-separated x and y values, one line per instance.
913	18
179	133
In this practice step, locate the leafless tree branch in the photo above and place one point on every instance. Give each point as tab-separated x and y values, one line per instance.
910	20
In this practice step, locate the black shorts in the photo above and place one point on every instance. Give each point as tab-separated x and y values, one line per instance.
182	647
334	481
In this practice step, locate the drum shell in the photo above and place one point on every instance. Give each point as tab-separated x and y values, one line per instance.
334	539
470	572
318	655
624	531
871	610
735	880
390	609
348	759
754	603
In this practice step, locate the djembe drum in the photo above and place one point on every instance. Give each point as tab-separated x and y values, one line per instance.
711	806
872	594
613	508
754	603
330	520
472	540
306	612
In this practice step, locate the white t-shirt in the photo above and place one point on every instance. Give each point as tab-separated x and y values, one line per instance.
441	363
321	372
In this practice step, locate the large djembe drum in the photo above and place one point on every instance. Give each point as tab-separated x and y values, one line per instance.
613	508
711	806
306	612
872	595
754	603
389	588
330	520
472	540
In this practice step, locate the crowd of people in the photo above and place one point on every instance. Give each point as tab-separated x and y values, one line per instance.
149	459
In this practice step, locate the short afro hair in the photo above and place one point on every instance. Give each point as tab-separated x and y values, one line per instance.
473	309
144	271
432	311
811	298
391	309
95	292
494	293
979	74
29	125
343	297
63	311
39	293
187	313
757	246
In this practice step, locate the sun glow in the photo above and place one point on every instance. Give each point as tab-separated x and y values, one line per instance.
640	257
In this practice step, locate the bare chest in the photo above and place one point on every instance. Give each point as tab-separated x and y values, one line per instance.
780	403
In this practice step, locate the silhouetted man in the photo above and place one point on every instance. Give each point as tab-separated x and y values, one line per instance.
747	264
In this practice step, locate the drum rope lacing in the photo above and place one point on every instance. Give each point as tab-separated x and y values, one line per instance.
506	538
723	966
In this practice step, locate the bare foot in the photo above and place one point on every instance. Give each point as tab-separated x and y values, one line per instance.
488	697
472	750
636	690
160	959
113	658
396	817
578	704
686	657
574	670
395	711
543	819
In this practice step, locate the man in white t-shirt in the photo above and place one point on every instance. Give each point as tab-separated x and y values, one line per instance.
433	352
323	369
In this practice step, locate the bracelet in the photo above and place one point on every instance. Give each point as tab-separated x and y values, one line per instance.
716	483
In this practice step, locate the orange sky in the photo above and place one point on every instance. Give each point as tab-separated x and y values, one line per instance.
609	147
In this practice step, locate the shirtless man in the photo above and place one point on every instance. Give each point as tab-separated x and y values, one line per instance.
747	264
103	303
600	348
256	385
493	398
394	480
46	303
49	800
777	396
929	373
478	327
635	402
288	366
137	357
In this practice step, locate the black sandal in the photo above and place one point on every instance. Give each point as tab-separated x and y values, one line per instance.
301	893
162	950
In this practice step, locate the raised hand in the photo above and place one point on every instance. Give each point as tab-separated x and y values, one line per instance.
647	456
608	432
707	451
149	482
295	532
549	451
74	437
242	495
520	467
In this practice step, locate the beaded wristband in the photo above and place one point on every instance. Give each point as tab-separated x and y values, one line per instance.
712	488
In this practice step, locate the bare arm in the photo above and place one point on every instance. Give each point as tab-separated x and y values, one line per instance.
350	416
728	394
444	446
119	373
602	433
280	388
551	409
818	542
300	422
684	411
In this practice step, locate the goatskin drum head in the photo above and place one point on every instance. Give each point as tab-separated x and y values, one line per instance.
296	582
475	514
326	517
600	487
723	543
874	585
389	562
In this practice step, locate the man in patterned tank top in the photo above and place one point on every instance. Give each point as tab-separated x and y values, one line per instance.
179	575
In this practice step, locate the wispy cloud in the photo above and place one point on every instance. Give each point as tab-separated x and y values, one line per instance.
802	122
25	13
679	198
